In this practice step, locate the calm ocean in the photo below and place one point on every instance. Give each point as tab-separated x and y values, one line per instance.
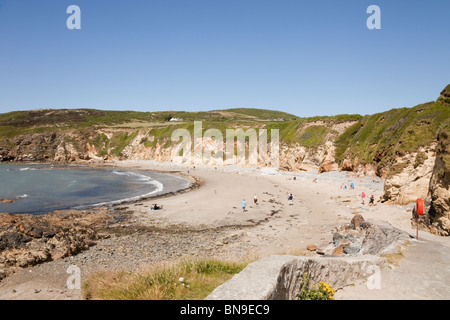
40	188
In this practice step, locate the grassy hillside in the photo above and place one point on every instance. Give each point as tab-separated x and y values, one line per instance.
310	132
380	137
376	138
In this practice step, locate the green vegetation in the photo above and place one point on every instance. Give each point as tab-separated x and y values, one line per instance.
262	114
313	136
376	138
187	279
445	95
21	122
310	132
113	146
379	137
444	149
323	291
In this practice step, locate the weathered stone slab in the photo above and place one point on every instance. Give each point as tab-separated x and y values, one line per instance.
280	277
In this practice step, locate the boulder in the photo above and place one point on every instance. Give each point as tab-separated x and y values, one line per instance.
337	238
364	237
356	220
324	248
12	240
338	251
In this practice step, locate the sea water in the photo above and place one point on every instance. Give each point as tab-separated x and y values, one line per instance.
41	188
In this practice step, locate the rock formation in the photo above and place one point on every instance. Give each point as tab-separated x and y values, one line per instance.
361	237
28	240
436	220
413	180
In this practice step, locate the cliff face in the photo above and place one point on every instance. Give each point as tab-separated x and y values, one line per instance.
412	177
439	191
437	220
408	147
48	147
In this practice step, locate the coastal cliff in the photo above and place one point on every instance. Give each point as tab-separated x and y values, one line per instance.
408	147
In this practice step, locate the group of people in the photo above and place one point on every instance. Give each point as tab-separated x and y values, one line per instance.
344	186
371	200
243	204
255	201
363	195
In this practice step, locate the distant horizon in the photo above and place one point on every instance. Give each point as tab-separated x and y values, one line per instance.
295	56
207	110
168	109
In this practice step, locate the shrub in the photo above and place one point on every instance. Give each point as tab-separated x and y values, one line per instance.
323	291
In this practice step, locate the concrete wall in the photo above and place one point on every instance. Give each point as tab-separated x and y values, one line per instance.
280	277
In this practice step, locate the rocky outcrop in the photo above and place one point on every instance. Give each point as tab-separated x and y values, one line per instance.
412	178
297	158
28	240
361	237
64	147
436	218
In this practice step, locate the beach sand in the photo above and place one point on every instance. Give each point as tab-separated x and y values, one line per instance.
209	220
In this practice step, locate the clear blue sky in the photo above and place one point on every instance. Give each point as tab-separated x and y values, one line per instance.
305	57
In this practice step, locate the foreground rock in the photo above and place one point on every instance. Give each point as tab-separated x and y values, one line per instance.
28	240
281	277
361	237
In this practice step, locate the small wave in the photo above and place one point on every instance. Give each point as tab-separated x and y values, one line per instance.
120	173
32	169
159	187
140	177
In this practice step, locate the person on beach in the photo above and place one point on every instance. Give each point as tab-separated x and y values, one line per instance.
363	196
243	205
255	199
352	186
290	199
371	200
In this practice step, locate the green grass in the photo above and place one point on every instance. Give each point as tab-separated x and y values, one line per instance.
113	146
262	114
186	279
382	136
313	136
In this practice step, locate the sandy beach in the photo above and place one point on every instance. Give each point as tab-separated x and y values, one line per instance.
209	220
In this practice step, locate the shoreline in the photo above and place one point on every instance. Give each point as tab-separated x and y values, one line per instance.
172	188
208	221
